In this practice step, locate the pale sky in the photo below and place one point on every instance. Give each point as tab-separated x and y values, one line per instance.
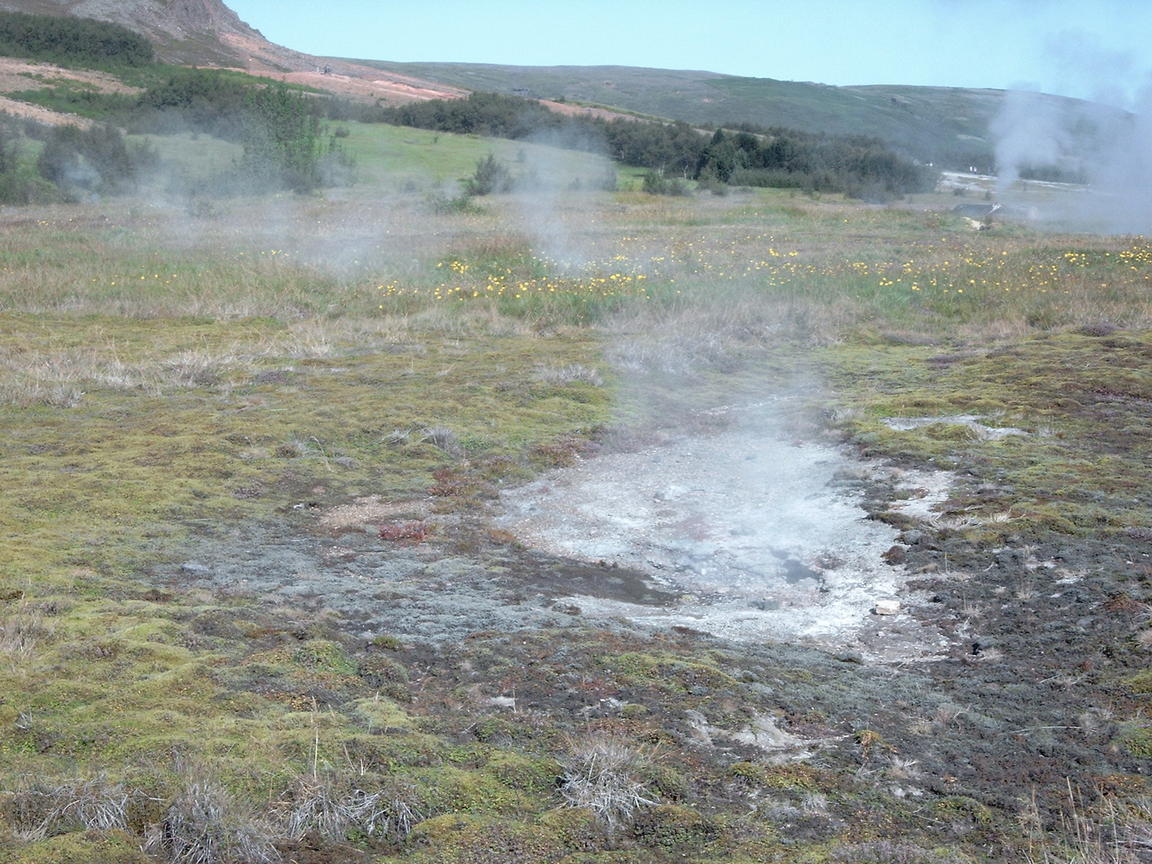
1090	48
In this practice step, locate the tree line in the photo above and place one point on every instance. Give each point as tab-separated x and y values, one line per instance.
748	156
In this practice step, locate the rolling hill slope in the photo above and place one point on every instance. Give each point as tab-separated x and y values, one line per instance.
945	126
938	124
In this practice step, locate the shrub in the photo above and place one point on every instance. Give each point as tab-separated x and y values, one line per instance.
491	176
42	808
71	39
333	810
655	183
96	161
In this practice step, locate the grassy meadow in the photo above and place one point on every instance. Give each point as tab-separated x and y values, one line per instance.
171	370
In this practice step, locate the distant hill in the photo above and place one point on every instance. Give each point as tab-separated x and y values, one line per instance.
208	33
198	32
945	126
940	124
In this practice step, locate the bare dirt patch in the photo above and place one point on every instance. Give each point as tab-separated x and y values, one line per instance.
16	75
369	512
340	77
47	116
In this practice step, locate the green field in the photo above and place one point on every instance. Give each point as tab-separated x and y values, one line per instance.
179	377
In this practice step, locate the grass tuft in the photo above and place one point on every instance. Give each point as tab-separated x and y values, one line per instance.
600	774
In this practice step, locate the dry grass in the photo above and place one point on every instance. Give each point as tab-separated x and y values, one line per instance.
59	376
335	271
21	630
205	824
39	808
571	374
600	775
1109	832
333	807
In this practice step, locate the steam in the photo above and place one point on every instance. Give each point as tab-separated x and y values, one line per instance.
1029	131
1125	174
559	174
1110	147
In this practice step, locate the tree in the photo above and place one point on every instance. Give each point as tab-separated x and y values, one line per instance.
491	175
94	161
282	140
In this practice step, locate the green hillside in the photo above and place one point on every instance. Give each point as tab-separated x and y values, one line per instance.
946	125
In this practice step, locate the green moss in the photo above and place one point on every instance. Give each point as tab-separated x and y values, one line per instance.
387	643
1078	470
452	790
1140	683
380	715
577	828
457	839
324	657
788	776
667	672
965	808
132	466
525	773
673	827
1136	738
386	675
751	772
494	728
86	847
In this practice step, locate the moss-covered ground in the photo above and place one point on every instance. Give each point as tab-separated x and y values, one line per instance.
167	376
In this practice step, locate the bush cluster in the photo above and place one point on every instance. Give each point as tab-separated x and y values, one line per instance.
285	144
857	166
71	40
90	162
19	182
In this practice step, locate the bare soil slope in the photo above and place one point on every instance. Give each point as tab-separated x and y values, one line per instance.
208	33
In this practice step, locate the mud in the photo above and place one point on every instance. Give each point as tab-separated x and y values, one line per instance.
435	591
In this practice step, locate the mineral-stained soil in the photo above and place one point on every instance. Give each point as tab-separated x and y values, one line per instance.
742	550
759	535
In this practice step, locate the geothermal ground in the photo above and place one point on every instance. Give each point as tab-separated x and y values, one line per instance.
842	556
759	535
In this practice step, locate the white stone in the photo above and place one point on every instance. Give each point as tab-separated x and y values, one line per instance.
886	607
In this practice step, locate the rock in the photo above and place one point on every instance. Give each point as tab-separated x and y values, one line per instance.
192	568
1009	558
886	607
896	555
982	644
